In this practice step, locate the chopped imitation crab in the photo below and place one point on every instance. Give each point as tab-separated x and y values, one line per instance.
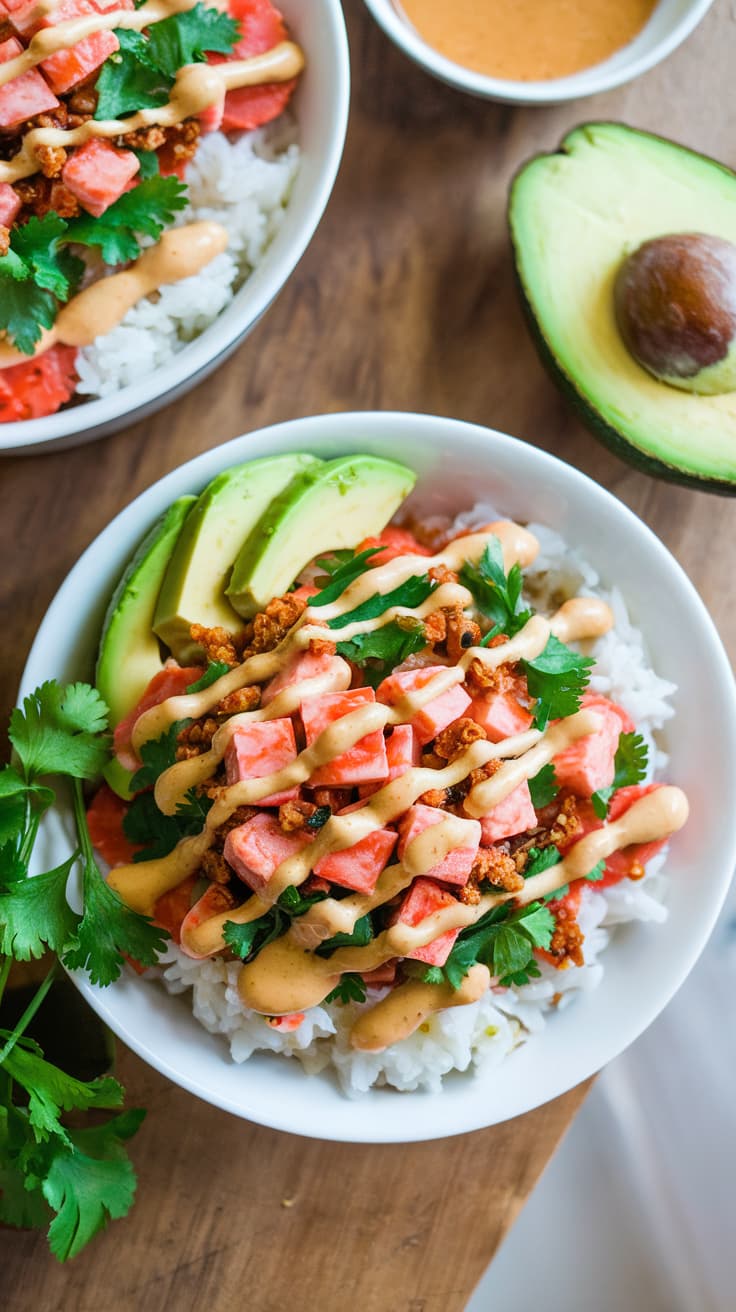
364	762
393	542
171	681
423	899
359	866
262	28
105	823
436	714
213	902
257	848
98	174
260	748
621	864
305	665
24	96
38	387
500	714
402	753
514	815
10	204
455	867
66	68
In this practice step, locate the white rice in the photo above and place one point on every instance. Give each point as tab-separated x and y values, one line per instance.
244	184
484	1032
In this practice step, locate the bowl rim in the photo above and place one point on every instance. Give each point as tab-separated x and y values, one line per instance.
206	351
406	429
552	91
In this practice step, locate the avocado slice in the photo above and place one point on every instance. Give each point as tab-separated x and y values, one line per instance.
574	216
325	509
129	654
193	589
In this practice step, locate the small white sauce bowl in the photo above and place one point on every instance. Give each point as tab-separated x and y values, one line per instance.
320	104
669	25
456	463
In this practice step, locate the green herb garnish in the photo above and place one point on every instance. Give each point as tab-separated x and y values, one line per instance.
630	767
557	679
496	593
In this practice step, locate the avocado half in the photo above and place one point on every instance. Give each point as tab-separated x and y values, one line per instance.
574	216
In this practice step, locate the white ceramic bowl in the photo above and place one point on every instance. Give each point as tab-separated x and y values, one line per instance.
320	104
669	25
457	463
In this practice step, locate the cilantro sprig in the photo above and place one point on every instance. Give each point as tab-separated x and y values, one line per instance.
630	767
557	679
544	787
378	651
350	989
249	939
72	1180
496	593
343	568
504	940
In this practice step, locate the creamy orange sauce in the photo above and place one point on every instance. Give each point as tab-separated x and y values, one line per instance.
287	976
527	40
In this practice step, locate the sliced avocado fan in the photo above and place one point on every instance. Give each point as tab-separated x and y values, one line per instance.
574	216
326	508
130	654
193	589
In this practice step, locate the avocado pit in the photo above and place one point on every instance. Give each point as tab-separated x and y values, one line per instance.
675	304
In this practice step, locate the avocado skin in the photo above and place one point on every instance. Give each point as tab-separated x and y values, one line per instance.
611	437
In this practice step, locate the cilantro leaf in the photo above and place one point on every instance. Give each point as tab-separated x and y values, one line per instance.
433	975
389	645
58	731
214	671
411	593
292	901
108	927
539	859
158	834
25	310
129	79
630	767
503	940
557	679
89	1183
598	871
246	940
37	243
360	937
35	915
147	208
344	567
495	593
184	38
544	787
52	1091
350	989
157	754
149	166
15	793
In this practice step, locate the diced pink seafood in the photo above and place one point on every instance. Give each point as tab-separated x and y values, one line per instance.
213	902
359	866
436	714
588	764
455	867
65	68
514	815
26	95
365	762
10	204
500	715
257	848
259	748
98	174
306	665
402	753
423	899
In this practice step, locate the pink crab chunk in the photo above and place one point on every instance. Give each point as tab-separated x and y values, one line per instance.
402	753
423	899
514	815
257	848
24	96
10	204
436	714
66	68
260	748
588	764
98	174
455	867
365	762
500	715
306	665
359	866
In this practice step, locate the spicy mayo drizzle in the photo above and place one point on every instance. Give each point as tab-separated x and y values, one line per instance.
286	976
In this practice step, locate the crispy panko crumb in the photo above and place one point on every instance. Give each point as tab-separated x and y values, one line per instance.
52	160
462	632
196	738
270	627
498	868
566	946
322	647
443	574
481	678
452	741
435	628
83	101
215	867
217	643
566	825
243	699
240	816
144	138
4	239
335	798
483	772
434	797
295	814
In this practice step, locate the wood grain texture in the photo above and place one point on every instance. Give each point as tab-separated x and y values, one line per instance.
405	300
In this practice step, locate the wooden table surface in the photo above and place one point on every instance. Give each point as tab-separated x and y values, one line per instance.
405	300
